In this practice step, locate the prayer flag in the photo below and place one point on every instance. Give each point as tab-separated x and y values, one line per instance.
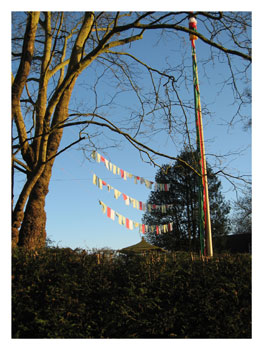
100	183
104	207
127	223
110	213
107	164
126	199
94	179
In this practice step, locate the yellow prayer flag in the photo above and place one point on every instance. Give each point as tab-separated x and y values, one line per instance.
120	219
136	224
104	207
93	155
107	164
94	179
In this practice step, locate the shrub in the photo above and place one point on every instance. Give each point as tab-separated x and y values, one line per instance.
61	293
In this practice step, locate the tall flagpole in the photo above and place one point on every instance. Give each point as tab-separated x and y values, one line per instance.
204	208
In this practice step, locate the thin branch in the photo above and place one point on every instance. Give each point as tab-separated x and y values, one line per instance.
142	63
139	145
65	148
200	36
123	41
21	163
227	176
20	169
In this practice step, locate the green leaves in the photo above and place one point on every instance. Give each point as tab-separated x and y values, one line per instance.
65	294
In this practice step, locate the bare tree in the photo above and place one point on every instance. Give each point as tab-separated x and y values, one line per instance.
242	217
53	50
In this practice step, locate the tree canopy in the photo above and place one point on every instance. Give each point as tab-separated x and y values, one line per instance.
183	211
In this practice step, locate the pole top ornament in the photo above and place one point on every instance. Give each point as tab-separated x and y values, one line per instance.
193	26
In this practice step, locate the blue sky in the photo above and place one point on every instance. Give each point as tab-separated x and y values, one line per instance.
74	216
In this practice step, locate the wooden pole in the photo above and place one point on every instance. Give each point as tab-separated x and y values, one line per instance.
208	229
201	145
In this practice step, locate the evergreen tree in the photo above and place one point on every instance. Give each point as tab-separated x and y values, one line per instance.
184	211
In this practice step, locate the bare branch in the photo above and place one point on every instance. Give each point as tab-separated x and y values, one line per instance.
21	78
137	144
240	178
20	169
200	36
66	148
22	164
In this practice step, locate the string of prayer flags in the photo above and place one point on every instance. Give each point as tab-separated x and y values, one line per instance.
122	220
125	174
131	224
163	208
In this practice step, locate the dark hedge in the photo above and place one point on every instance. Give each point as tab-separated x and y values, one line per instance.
60	293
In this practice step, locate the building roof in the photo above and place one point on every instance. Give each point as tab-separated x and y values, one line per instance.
141	247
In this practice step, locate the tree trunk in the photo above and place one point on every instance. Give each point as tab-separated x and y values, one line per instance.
18	213
32	234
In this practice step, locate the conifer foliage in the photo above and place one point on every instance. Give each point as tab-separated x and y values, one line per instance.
184	213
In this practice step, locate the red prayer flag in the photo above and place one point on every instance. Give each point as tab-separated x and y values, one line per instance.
108	212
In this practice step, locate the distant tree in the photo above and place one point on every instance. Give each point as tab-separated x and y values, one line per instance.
242	217
183	196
